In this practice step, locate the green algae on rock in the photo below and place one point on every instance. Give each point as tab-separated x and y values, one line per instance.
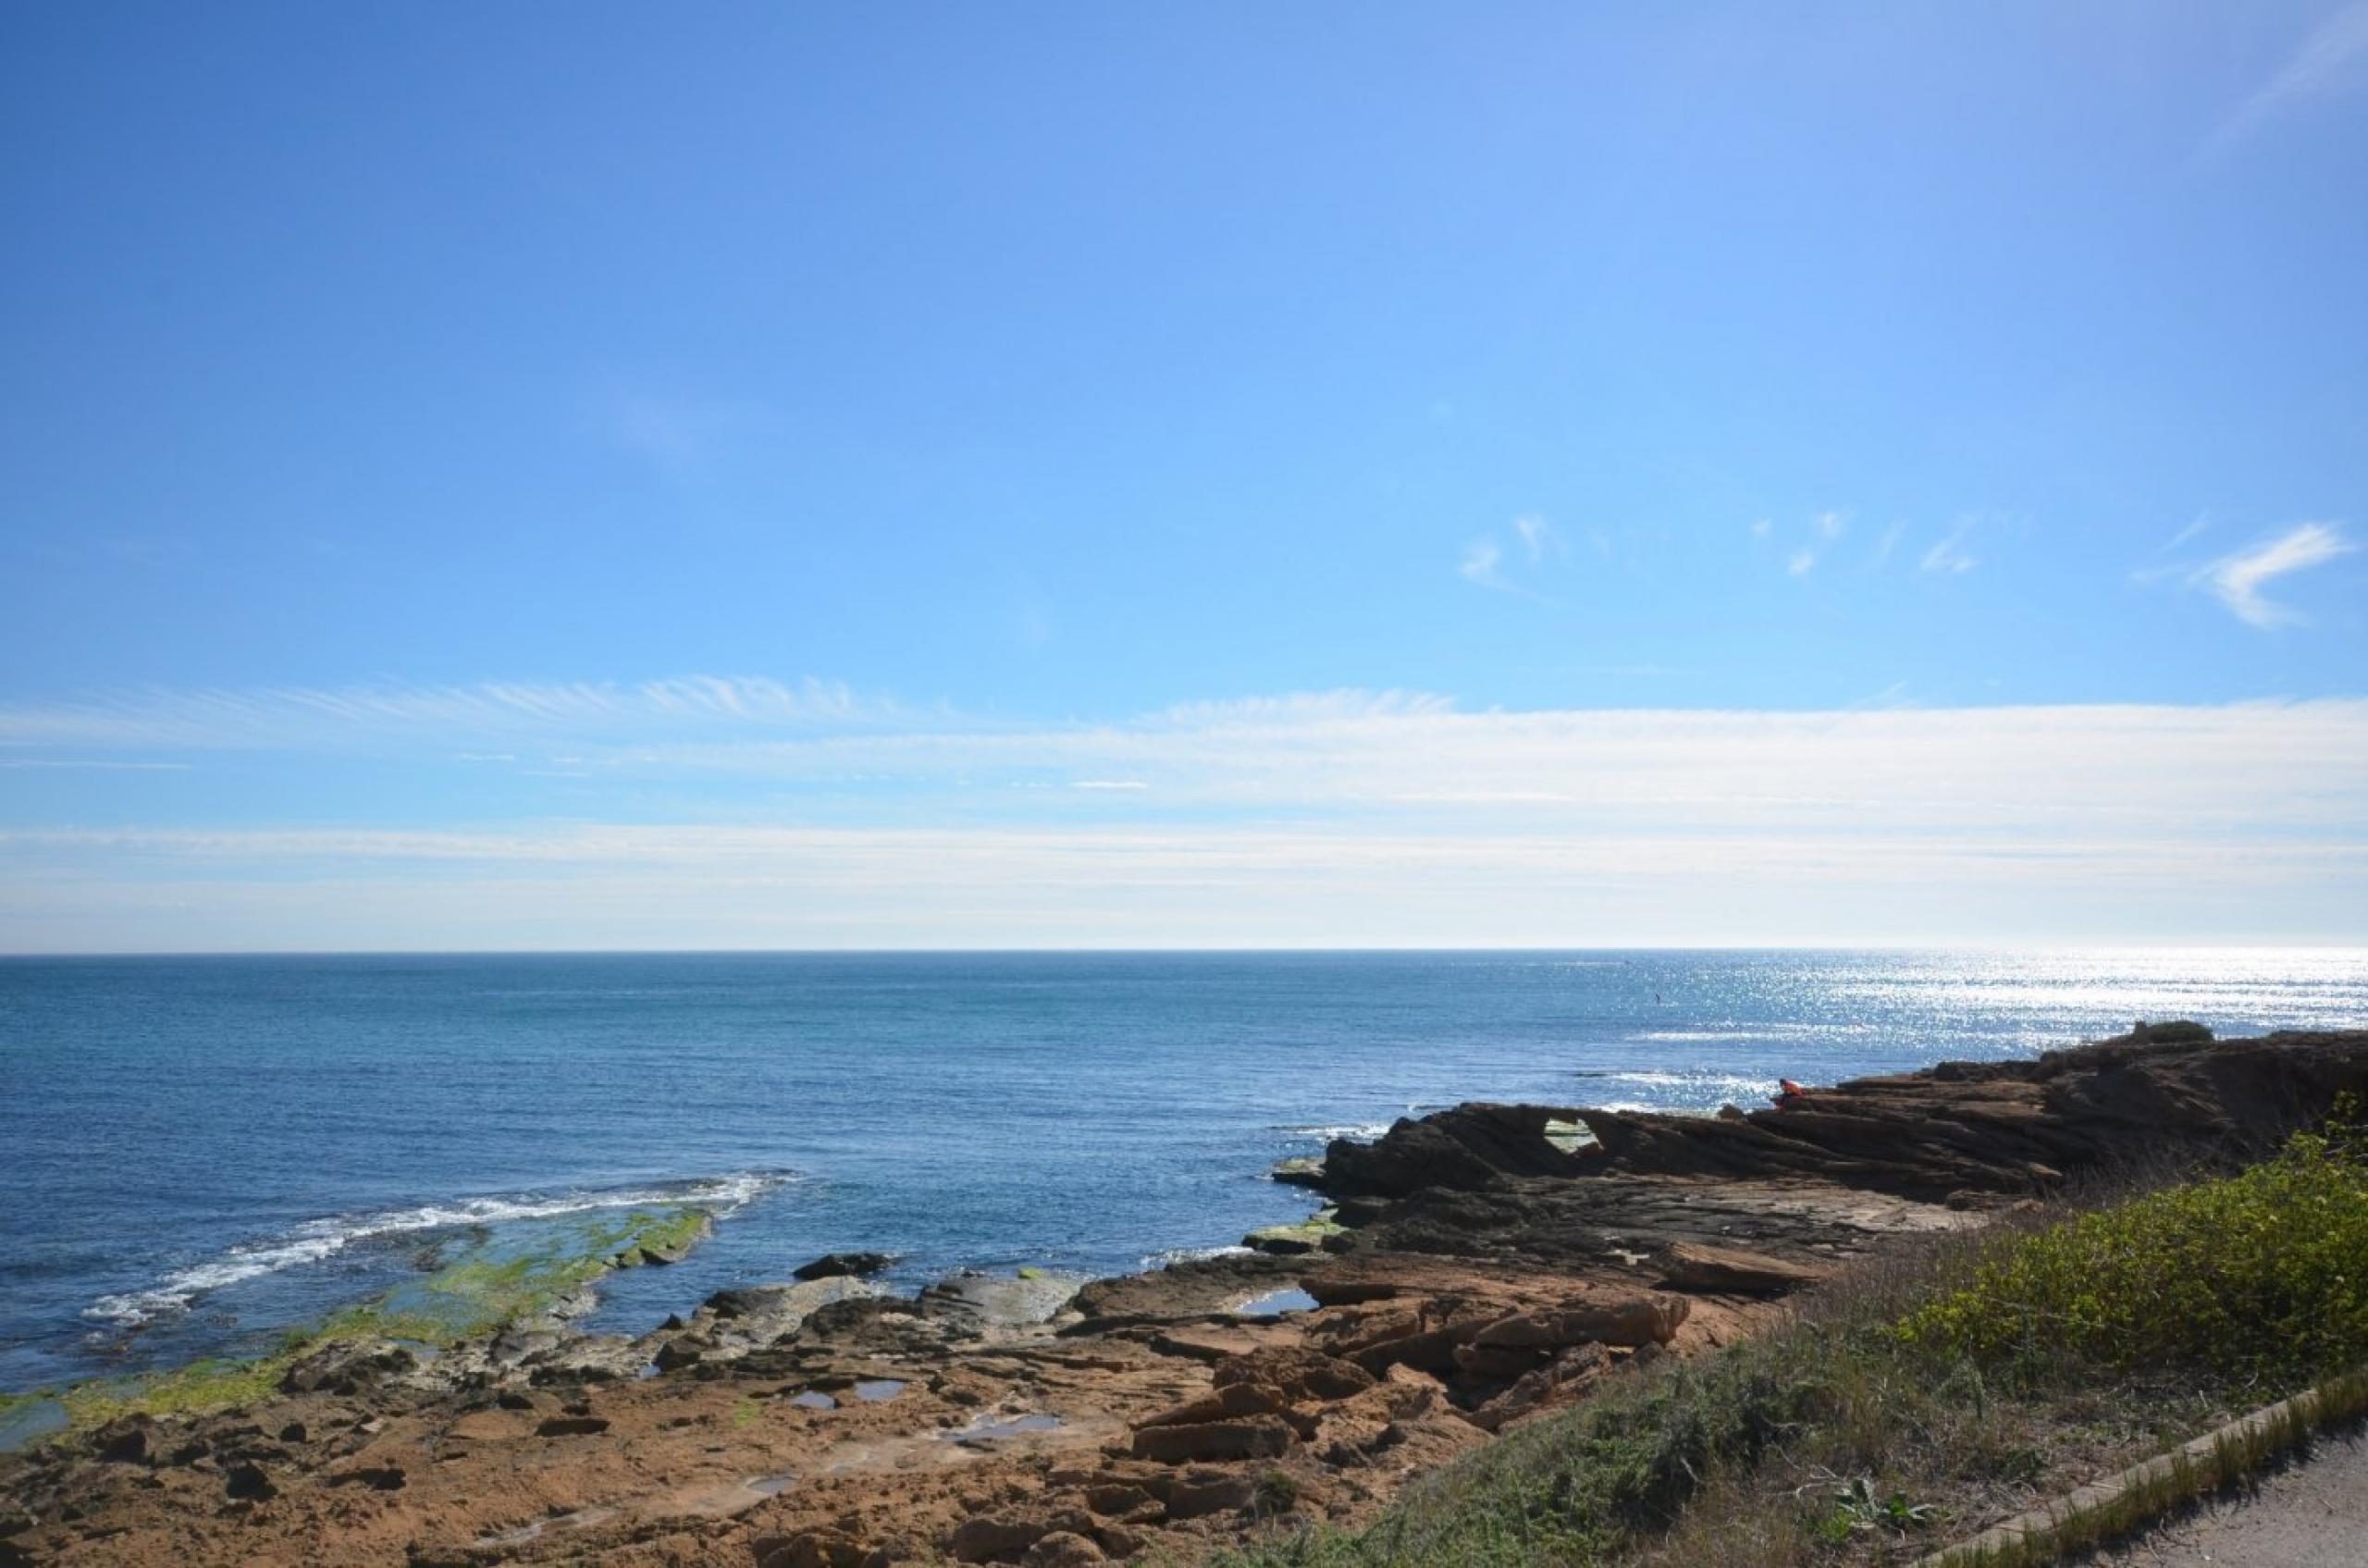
1307	1236
478	1289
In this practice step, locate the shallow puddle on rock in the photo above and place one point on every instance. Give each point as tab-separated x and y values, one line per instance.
809	1400
871	1390
29	1422
770	1486
535	1531
1273	1303
1568	1136
995	1428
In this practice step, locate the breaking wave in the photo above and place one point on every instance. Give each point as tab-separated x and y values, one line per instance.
318	1239
1362	1131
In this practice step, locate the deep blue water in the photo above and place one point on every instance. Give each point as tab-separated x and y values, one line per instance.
198	1151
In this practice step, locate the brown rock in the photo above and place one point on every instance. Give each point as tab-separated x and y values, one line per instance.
1300	1372
1689	1265
1124	1502
1498	1363
1226	1402
814	1549
1063	1548
1203	1492
125	1441
1257	1437
992	1536
248	1482
1562	1382
346	1366
1643	1320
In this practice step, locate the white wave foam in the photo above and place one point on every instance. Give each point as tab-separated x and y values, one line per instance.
1193	1255
318	1239
1364	1131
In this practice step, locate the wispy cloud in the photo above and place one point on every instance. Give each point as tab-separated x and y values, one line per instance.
2191	531
2237	580
1341	817
1823	531
1536	536
2332	61
328	718
1948	553
1485	563
1481	558
1886	545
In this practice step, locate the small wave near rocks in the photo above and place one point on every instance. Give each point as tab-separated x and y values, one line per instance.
317	1240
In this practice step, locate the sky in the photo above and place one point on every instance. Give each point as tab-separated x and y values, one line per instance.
749	477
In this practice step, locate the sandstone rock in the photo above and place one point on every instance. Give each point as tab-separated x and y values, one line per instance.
1257	1437
1645	1320
994	1300
1201	1492
1225	1403
1691	1266
1300	1372
1063	1548
1561	1382
1498	1363
812	1548
994	1536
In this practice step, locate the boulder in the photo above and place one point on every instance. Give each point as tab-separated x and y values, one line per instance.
127	1440
836	1265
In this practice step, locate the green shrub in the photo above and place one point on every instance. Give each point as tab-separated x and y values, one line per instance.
2259	1275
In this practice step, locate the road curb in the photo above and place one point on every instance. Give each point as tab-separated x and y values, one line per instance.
2128	1498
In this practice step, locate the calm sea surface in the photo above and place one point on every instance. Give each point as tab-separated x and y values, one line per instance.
197	1151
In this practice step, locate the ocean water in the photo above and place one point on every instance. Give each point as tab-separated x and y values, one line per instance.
198	1153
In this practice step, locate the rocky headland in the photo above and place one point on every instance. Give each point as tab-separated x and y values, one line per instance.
1473	1270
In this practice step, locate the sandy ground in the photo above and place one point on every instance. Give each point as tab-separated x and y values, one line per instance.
2312	1514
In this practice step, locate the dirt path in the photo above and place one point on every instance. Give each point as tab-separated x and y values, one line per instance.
2314	1514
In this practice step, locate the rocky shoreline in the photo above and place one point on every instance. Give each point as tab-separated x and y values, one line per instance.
1474	1270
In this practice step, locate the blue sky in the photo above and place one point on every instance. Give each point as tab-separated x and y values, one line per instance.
598	476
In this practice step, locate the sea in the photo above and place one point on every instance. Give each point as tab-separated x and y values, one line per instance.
198	1153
